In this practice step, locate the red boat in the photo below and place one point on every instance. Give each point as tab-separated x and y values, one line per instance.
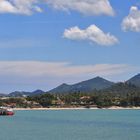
6	111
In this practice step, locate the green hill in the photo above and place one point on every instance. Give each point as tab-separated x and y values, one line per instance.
97	83
135	80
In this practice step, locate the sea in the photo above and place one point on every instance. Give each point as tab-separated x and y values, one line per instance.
71	125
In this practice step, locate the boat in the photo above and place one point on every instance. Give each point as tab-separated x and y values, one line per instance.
5	111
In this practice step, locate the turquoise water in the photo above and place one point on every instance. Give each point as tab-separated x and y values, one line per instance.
71	125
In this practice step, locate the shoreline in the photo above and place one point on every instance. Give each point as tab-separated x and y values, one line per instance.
78	108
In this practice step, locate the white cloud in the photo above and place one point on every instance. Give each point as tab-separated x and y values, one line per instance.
57	69
26	7
132	21
92	34
86	7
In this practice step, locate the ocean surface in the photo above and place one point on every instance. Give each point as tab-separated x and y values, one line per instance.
71	125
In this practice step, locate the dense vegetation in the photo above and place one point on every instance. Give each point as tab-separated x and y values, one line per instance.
121	94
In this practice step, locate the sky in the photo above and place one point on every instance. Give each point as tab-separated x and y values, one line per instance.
44	43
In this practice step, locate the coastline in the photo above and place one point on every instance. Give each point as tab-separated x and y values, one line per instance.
78	108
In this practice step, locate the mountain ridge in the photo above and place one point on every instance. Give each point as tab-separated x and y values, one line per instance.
86	86
24	93
97	83
135	80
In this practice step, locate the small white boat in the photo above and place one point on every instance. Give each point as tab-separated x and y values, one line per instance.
6	111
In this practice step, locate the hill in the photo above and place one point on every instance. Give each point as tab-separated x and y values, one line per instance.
97	83
23	93
135	80
121	89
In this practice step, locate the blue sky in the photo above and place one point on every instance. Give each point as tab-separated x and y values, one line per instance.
46	43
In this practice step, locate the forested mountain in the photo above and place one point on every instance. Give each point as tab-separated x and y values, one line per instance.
135	80
121	89
97	83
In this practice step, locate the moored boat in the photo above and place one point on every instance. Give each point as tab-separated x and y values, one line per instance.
6	111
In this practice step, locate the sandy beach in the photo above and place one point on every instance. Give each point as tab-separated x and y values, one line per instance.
20	109
79	108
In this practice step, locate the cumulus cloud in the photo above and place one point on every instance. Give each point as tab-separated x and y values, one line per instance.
26	7
86	7
92	34
132	21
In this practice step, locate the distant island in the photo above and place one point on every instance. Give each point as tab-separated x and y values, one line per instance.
94	93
